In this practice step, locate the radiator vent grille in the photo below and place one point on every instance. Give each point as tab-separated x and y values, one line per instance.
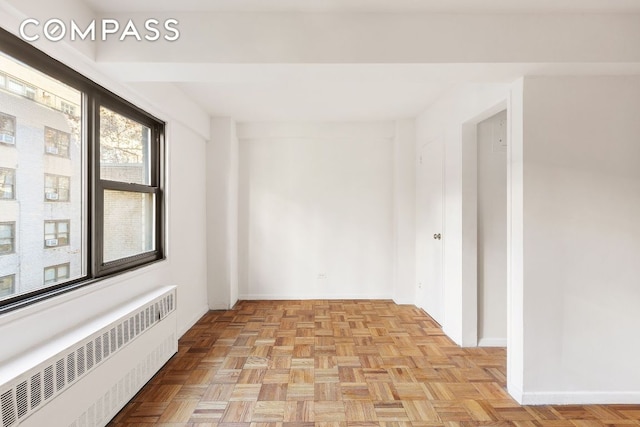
33	389
22	396
101	411
36	386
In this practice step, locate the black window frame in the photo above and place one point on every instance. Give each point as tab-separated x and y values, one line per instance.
93	96
102	185
12	184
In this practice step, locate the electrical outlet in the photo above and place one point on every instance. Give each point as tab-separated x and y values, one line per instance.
419	285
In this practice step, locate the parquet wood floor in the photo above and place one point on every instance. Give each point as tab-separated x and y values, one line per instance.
363	363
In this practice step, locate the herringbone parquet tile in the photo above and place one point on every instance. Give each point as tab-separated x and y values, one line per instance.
338	364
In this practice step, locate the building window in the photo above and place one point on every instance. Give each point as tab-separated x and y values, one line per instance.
7	237
113	166
67	108
56	233
7	184
7	285
56	273
56	188
7	129
21	88
56	142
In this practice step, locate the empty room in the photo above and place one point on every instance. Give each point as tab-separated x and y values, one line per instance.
329	213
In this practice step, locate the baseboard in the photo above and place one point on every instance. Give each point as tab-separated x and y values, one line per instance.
514	391
403	301
219	306
581	398
250	297
492	342
192	321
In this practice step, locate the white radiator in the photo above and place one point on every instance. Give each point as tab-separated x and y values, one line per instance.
88	382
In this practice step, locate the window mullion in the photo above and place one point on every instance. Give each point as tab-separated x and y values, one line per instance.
125	186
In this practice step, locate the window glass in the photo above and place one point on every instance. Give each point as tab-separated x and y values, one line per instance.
56	188
6	285
124	149
7	237
56	273
7	183
16	87
128	224
56	142
48	156
7	129
56	233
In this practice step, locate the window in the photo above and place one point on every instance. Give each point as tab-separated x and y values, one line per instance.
7	237
21	88
103	159
7	285
7	184
56	188
128	186
67	108
56	233
7	129
56	273
56	142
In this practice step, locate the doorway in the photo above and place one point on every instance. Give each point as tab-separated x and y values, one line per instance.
475	253
492	230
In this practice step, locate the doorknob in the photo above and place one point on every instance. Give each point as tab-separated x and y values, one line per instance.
437	236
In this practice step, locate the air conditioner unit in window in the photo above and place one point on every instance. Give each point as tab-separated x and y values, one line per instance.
7	139
51	196
51	242
51	149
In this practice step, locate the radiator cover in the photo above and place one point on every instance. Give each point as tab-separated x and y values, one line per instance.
87	383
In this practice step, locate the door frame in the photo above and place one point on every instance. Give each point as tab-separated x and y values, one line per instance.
470	221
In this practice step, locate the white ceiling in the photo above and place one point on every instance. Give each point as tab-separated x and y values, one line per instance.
321	92
354	92
309	92
458	6
347	92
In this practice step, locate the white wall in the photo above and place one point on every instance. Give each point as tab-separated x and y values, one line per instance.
515	249
581	239
404	189
186	242
444	121
316	210
222	214
492	230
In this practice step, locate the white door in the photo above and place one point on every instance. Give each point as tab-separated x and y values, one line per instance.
430	292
